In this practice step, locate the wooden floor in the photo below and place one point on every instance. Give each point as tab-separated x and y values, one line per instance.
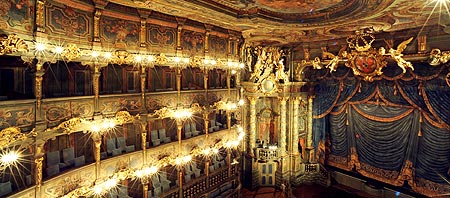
304	191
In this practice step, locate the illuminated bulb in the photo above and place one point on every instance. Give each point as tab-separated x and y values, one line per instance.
228	144
206	61
40	47
138	58
95	54
177	59
230	63
95	128
153	169
98	190
215	150
58	50
178	161
240	137
186	60
207	151
150	58
233	72
241	65
181	114
213	62
241	102
107	55
235	64
105	124
110	183
187	158
139	173
9	158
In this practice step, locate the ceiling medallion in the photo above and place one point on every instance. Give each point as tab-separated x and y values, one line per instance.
363	59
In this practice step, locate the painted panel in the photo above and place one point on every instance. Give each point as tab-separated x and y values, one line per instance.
121	33
68	21
193	43
57	111
218	46
18	115
112	105
16	16
65	183
161	37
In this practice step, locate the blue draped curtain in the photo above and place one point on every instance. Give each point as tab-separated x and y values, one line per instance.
395	129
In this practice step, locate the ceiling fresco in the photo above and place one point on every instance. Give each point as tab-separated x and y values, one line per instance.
293	6
286	22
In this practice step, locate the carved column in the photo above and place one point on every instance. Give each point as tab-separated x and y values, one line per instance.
180	181
206	121
207	172
295	126
143	34
236	50
143	83
282	139
96	84
238	78
309	128
38	83
179	31
145	188
38	159
422	44
229	162
178	83
252	139
230	38
207	33
144	141
229	82
229	120
97	15
97	144
40	20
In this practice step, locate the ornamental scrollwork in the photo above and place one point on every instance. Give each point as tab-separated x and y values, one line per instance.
363	59
123	117
437	57
10	135
12	44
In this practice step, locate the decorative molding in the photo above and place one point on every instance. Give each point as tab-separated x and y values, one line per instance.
12	44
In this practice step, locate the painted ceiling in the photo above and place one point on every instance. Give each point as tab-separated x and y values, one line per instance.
287	21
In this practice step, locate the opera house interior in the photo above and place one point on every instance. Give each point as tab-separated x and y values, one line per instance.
220	98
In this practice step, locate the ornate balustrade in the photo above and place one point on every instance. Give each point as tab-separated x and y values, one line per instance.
266	154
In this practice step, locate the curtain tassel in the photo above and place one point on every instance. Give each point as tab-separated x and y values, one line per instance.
395	90
420	126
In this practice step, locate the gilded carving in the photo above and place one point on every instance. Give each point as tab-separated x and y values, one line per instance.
67	126
71	52
161	59
437	57
38	162
396	54
265	62
11	135
40	15
364	60
123	117
12	44
97	15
